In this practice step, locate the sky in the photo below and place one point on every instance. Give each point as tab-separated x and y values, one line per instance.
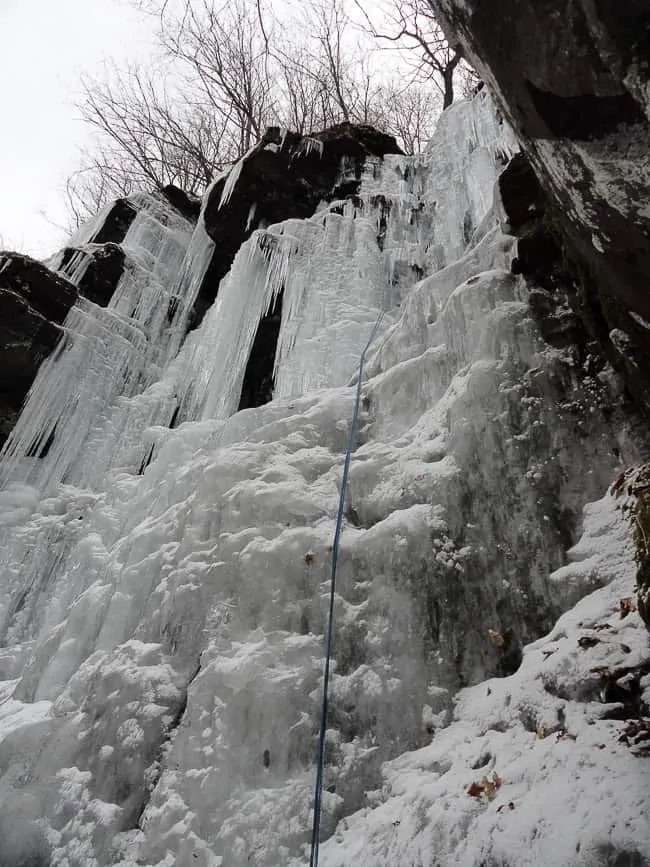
46	46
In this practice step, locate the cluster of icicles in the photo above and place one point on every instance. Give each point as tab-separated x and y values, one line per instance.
129	366
132	366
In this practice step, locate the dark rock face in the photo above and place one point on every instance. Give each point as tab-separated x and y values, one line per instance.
33	303
258	384
284	176
541	258
116	224
187	205
34	300
573	81
102	273
44	291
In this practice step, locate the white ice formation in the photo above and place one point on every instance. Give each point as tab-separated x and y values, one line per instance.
164	562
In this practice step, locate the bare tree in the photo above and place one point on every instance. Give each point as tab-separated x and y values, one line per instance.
225	49
92	185
329	67
301	106
145	137
228	69
410	26
411	115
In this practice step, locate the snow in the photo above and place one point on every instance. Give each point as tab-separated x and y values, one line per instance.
164	589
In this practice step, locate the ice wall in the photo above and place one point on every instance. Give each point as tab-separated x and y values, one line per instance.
163	624
351	260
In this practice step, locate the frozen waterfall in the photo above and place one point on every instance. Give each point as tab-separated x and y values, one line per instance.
164	558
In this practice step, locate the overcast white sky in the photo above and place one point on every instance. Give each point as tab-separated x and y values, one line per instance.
46	45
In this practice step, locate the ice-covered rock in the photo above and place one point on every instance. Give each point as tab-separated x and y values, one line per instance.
574	82
165	564
34	303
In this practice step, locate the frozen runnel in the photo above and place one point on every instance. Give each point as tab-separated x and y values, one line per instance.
164	563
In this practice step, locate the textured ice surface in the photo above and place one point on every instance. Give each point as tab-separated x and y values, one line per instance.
164	590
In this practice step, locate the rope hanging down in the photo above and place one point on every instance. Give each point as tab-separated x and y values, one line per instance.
318	791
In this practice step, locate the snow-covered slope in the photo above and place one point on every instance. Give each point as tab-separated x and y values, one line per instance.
164	589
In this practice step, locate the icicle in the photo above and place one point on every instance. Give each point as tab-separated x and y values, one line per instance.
77	265
251	216
310	145
233	177
82	236
333	291
87	231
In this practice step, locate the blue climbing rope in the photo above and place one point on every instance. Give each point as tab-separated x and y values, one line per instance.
318	790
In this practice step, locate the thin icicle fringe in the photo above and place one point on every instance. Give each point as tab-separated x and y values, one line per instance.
297	258
80	237
98	360
332	290
330	273
163	313
309	145
323	318
100	389
75	269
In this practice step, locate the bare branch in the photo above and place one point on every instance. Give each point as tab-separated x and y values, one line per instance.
228	69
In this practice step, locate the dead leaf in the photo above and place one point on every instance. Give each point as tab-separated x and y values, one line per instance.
310	559
488	786
626	605
639	730
496	638
564	735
